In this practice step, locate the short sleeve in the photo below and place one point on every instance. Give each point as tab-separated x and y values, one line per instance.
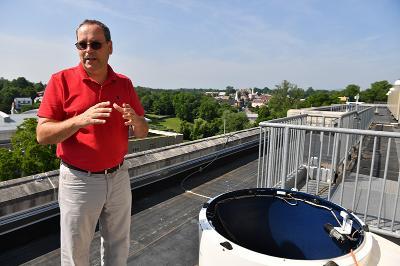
52	103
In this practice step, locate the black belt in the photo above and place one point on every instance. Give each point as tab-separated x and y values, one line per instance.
106	171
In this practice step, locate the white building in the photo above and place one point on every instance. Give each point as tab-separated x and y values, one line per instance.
19	102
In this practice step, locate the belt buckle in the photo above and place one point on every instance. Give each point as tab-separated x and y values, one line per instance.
106	171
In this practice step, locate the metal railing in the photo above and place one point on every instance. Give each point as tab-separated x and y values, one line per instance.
352	120
353	167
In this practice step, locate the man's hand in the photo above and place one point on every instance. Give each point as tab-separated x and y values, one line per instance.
50	131
94	115
139	124
127	113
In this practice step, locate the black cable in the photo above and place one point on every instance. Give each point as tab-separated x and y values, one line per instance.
206	166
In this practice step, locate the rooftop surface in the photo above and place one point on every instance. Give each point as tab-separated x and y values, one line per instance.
164	227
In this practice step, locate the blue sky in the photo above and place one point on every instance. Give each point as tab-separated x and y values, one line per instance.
211	43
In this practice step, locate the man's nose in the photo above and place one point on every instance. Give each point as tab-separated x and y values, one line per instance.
89	47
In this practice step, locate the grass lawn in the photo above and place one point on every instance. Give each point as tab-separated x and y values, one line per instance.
162	122
156	117
172	123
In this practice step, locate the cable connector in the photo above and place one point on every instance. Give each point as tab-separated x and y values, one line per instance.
347	224
333	233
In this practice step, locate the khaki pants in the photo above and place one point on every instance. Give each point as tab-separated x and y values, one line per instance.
83	201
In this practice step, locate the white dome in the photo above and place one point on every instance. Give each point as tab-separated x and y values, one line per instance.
397	82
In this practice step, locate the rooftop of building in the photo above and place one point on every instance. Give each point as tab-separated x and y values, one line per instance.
164	228
9	122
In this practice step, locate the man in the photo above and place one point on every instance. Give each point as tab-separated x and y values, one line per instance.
87	110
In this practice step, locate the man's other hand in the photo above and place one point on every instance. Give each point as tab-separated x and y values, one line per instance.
94	115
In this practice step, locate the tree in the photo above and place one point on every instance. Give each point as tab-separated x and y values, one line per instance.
186	129
377	92
309	92
226	107
3	83
32	157
162	104
266	90
235	121
186	105
28	92
201	129
19	87
21	82
7	97
208	109
322	98
9	166
39	86
230	90
281	101
296	94
263	114
351	91
147	102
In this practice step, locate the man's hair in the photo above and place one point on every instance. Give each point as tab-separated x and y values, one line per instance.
106	30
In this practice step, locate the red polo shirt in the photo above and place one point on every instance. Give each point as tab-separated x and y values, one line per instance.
71	92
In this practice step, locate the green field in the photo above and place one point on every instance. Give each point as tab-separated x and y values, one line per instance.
172	123
162	122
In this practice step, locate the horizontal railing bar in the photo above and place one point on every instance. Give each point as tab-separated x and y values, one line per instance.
290	118
334	130
383	232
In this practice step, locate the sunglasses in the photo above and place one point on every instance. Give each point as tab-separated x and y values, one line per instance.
83	45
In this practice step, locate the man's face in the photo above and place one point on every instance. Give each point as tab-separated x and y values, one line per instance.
93	61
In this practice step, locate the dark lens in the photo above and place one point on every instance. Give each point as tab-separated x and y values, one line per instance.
81	45
95	45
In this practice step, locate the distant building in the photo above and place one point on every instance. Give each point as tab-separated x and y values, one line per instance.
10	122
225	99
343	99
260	100
251	116
19	102
257	103
211	93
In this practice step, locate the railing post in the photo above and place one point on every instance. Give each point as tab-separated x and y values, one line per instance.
337	145
259	157
271	157
285	156
384	181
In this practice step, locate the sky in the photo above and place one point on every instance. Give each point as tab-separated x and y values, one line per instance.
175	44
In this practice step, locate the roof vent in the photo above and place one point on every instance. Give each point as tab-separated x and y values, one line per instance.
4	118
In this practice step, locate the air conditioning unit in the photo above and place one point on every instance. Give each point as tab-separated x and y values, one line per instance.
324	173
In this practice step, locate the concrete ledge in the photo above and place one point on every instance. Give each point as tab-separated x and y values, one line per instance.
26	192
